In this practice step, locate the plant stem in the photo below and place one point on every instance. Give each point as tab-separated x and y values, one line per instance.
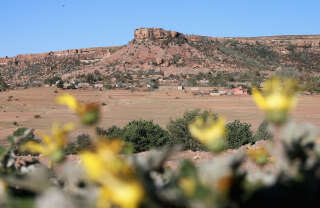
279	151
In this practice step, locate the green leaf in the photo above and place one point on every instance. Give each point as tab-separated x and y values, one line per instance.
19	202
3	151
11	140
188	169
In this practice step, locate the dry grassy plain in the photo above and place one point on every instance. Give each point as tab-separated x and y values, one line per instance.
123	106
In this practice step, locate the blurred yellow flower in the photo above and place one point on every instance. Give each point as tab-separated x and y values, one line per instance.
210	132
260	155
89	113
277	98
188	185
51	147
117	180
126	194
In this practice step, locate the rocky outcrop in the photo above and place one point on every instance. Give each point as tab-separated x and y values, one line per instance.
83	54
154	33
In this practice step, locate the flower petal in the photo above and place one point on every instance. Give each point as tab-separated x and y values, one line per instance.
68	100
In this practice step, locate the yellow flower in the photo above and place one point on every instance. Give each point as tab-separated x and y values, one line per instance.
117	180
210	132
188	185
51	147
89	113
277	98
260	155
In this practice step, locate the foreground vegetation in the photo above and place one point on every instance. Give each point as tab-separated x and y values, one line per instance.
143	135
110	175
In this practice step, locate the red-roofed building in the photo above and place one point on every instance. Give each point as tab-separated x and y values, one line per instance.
240	91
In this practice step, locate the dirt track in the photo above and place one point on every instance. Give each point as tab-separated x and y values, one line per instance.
123	106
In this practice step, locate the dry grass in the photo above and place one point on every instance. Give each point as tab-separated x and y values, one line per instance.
123	106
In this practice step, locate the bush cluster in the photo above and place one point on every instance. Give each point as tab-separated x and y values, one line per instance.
142	134
145	135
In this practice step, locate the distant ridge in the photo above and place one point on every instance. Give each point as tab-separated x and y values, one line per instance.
171	52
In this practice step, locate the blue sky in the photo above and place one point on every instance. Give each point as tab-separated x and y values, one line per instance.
32	26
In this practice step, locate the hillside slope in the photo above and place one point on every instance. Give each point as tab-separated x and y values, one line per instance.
170	52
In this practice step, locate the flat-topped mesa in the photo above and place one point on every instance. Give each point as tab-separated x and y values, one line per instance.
154	33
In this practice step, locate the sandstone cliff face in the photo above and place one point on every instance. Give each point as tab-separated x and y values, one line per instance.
154	33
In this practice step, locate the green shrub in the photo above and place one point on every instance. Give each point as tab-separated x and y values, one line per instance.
288	72
52	80
262	132
83	142
154	84
60	84
112	132
238	134
144	135
179	130
91	79
71	148
108	86
3	85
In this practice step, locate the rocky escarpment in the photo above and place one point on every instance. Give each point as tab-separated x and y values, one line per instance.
171	52
40	66
155	33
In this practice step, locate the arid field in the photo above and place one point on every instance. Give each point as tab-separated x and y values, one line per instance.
122	106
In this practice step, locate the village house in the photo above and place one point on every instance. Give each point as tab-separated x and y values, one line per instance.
240	91
215	94
98	86
203	81
83	85
222	92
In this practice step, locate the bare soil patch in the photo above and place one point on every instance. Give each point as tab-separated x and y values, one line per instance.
123	106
